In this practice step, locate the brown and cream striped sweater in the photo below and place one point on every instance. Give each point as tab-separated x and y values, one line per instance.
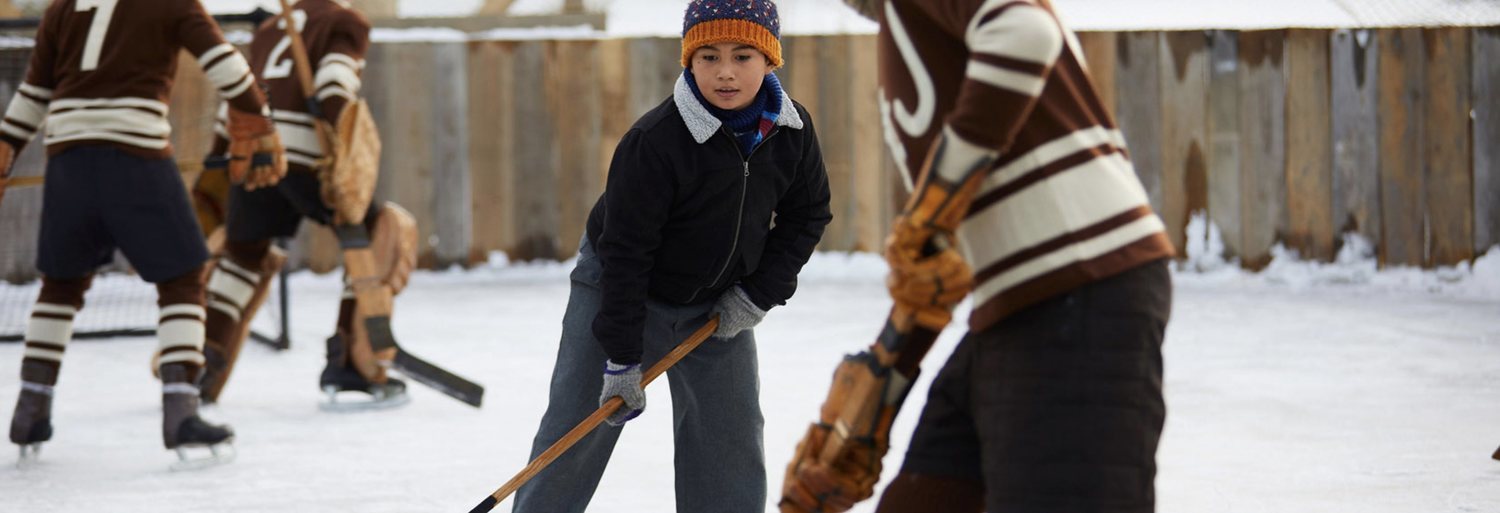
1061	206
102	72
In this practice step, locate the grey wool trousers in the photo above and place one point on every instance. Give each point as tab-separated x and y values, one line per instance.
716	417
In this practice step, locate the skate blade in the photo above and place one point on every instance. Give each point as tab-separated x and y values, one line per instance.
332	404
219	454
31	456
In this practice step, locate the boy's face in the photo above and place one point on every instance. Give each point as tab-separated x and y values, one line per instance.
729	74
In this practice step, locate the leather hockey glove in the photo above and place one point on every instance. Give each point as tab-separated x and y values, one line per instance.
256	157
623	381
838	461
7	157
928	286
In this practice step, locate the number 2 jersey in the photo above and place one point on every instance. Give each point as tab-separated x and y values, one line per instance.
102	72
336	38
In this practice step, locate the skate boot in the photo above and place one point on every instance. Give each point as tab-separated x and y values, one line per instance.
183	429
338	377
32	423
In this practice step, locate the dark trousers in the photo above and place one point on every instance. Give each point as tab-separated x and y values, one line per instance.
1059	407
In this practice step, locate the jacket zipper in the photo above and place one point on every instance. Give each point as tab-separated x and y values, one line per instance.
739	216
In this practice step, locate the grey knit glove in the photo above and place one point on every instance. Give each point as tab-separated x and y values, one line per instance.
623	381
736	313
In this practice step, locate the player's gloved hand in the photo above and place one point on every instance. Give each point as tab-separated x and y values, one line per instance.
849	476
256	157
623	381
930	286
737	313
7	157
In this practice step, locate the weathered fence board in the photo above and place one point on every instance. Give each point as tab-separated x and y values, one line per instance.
1354	64
870	191
492	132
1262	144
1309	151
1402	201
573	97
449	197
834	123
1138	76
1486	139
1099	51
1445	149
1184	117
537	202
1224	136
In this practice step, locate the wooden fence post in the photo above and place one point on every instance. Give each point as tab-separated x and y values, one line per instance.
1447	158
1486	94
1355	60
1184	117
1402	201
1262	144
1224	135
1309	152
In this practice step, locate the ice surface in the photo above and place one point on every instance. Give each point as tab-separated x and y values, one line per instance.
1308	392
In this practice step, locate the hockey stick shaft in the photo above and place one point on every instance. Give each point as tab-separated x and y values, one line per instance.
584	428
303	69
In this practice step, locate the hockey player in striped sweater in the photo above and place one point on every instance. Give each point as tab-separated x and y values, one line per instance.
100	77
1053	400
336	38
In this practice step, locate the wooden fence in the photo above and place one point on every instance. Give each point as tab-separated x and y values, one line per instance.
1290	136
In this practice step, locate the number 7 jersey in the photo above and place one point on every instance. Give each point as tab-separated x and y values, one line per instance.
102	72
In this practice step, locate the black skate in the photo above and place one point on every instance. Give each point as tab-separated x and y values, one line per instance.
32	423
182	428
338	377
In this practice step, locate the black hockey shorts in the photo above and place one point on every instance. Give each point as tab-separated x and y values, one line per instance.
99	198
1059	407
276	211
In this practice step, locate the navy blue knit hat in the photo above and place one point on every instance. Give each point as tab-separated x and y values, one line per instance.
751	22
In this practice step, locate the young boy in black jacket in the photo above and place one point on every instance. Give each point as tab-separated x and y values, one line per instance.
715	199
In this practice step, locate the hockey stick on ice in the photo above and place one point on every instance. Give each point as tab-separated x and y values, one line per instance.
588	424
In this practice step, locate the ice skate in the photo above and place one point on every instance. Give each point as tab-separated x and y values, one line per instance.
32	422
345	390
184	432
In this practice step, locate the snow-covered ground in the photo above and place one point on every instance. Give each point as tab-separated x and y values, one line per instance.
1306	388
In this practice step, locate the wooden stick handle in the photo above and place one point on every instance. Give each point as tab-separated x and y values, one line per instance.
584	428
303	68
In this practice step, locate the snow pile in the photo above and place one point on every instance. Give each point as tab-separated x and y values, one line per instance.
1355	267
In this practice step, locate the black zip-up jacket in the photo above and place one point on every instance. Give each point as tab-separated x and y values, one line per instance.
682	221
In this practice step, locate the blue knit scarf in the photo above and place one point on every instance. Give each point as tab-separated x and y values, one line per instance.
753	123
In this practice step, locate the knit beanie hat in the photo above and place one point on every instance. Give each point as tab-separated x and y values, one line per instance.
751	22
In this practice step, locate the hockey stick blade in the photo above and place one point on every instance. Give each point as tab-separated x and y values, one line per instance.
447	383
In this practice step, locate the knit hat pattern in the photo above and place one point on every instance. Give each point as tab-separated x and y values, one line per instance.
751	22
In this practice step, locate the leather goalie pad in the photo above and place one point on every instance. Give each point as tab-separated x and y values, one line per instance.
213	383
837	463
349	183
376	274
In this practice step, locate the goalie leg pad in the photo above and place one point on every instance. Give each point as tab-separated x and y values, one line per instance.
235	294
376	273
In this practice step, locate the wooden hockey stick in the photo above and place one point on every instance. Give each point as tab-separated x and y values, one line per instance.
584	428
303	69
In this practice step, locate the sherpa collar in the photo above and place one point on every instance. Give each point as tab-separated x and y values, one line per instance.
702	123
